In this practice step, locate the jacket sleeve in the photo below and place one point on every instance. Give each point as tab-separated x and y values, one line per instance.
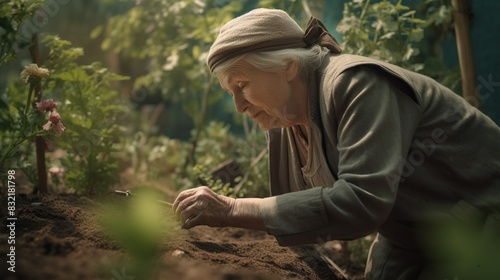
375	119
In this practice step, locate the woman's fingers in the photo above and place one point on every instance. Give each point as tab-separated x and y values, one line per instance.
192	222
183	200
191	210
183	195
201	206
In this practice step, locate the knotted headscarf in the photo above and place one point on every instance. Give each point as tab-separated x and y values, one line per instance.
267	30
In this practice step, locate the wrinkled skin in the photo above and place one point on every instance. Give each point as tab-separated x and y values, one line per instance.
202	206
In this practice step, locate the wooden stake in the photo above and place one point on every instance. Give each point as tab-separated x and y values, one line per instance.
39	141
464	45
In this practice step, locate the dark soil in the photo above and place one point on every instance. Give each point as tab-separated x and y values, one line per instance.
59	237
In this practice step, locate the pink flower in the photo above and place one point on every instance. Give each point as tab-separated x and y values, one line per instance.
54	119
47	126
59	128
46	105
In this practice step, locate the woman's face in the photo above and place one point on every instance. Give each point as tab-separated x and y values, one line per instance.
269	98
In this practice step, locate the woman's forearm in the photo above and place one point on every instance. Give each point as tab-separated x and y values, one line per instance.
246	214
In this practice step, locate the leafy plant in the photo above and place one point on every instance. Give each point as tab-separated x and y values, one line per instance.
395	33
248	152
173	37
152	157
22	123
13	14
23	126
92	114
201	172
139	226
382	30
439	29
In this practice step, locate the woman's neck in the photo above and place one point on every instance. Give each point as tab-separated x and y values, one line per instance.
301	100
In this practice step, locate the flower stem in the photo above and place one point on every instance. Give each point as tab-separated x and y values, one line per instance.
28	101
13	146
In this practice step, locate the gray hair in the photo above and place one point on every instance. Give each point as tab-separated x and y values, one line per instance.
273	61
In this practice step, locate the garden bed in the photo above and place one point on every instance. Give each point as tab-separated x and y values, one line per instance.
58	237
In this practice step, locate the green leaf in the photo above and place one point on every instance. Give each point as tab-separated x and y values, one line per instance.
96	32
196	51
408	14
74	75
388	35
6	24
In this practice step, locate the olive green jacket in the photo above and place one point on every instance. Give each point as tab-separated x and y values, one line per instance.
389	149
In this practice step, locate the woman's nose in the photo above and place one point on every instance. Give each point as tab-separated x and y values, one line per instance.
240	103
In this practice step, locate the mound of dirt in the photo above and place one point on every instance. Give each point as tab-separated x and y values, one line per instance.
58	237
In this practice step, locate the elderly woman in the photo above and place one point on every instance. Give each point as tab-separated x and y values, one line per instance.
356	146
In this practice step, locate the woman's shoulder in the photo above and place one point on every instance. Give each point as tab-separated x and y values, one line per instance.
335	64
348	66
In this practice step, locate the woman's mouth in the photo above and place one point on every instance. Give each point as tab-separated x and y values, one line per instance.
253	116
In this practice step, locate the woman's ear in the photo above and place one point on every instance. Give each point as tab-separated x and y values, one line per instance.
292	70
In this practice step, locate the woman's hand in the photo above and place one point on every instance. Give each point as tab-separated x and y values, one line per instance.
202	206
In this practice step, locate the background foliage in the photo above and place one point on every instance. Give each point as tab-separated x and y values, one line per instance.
173	39
393	32
12	15
162	46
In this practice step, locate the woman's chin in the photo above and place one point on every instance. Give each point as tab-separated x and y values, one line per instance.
269	126
264	127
